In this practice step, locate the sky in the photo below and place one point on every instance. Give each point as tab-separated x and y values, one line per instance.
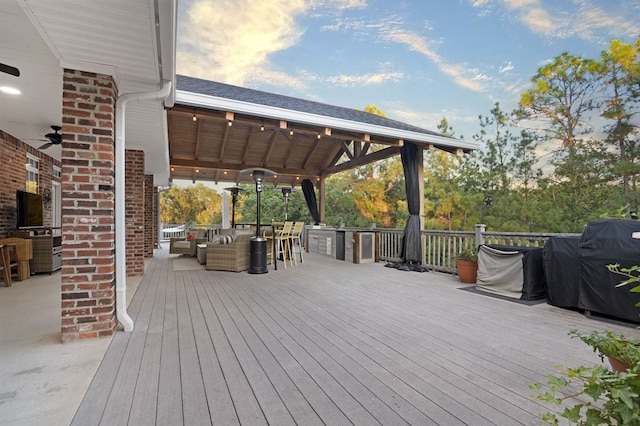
416	60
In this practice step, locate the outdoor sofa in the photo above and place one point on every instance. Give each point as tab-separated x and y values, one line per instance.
187	245
233	256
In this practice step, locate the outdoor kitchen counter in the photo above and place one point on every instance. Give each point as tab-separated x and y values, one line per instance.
355	245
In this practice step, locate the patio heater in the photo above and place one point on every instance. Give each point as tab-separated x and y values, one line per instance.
258	245
286	192
234	197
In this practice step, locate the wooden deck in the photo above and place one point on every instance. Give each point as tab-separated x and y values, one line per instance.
327	342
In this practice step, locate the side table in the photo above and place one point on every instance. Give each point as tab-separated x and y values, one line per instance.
201	253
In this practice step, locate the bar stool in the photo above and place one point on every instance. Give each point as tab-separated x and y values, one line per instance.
5	265
296	237
280	238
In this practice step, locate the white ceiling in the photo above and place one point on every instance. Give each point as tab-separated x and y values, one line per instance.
132	40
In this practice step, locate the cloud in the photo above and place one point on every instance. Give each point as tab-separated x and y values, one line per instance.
586	21
591	18
228	40
465	77
365	79
339	4
506	68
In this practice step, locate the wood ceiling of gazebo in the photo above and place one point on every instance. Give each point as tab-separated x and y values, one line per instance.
221	142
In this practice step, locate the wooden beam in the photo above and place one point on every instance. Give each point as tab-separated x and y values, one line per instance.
346	149
271	144
294	146
236	167
198	140
366	159
309	154
223	144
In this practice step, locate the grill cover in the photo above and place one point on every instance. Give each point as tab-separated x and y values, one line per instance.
561	257
511	271
603	243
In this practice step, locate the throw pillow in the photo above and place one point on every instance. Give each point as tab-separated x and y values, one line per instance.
190	237
227	239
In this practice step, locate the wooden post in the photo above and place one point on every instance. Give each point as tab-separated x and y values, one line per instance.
321	197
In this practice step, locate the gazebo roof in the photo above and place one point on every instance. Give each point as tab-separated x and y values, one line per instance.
236	128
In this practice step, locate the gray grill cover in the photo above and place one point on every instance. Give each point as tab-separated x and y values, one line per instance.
512	271
500	272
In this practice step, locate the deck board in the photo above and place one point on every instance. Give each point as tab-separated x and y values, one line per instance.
327	342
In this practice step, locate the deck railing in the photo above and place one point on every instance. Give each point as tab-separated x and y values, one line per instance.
169	230
439	248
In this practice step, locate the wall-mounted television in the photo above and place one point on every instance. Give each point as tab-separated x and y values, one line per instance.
29	209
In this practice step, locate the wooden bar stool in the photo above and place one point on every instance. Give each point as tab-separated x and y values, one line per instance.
295	237
5	263
14	265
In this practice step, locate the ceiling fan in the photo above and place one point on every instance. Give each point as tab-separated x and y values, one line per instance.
8	69
54	138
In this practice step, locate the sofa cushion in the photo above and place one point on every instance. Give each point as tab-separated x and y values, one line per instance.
182	244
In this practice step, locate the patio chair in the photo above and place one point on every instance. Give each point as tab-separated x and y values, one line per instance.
187	245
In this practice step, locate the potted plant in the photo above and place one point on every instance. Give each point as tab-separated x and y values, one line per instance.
605	397
620	351
609	397
467	265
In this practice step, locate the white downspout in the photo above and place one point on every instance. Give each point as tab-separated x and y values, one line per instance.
121	235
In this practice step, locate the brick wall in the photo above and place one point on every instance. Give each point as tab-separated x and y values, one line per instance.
88	168
13	153
135	211
149	218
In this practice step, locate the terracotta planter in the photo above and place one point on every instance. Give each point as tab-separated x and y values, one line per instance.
617	365
467	270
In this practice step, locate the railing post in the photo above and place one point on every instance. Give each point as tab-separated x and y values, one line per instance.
480	228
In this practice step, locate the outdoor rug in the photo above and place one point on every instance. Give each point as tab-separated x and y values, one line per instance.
473	289
186	263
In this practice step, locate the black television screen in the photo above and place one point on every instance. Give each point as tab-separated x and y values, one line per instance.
29	209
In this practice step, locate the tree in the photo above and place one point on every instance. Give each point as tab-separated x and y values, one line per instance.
560	103
621	73
193	204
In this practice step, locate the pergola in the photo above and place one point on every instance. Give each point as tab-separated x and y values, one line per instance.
216	130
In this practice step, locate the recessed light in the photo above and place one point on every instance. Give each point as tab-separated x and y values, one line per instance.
9	90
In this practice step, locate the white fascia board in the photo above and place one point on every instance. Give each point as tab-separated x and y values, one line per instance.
225	104
167	33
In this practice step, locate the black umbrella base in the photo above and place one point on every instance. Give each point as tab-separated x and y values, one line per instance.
258	256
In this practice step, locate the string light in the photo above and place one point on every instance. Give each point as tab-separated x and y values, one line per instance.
262	128
230	123
291	132
194	117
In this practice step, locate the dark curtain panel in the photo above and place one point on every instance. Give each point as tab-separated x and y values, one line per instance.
310	198
411	245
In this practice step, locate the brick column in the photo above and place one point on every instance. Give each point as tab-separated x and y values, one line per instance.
134	211
88	233
149	217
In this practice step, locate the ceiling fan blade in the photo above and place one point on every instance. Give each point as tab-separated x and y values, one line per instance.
8	69
46	145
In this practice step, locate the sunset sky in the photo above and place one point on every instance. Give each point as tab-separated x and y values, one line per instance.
415	60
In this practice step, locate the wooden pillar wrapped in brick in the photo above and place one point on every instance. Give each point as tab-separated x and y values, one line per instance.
134	211
149	218
88	231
